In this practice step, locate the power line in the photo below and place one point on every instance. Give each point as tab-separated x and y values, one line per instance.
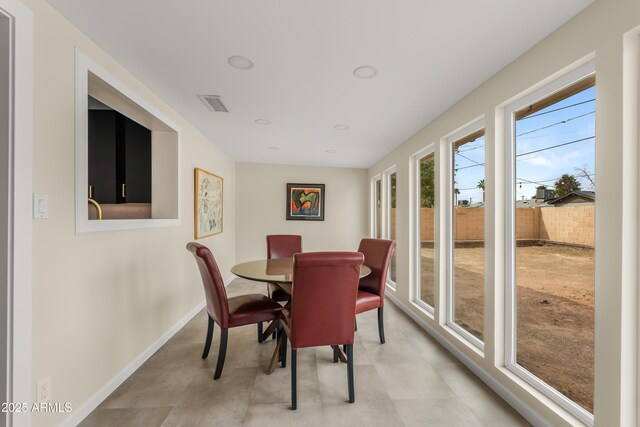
544	127
556	146
471	148
557	123
557	109
534	151
470	166
550	180
471	160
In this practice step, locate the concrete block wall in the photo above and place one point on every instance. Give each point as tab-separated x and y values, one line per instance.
573	225
568	224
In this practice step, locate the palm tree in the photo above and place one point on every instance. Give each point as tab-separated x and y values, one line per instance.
481	186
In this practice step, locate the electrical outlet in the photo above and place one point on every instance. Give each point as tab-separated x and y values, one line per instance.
44	390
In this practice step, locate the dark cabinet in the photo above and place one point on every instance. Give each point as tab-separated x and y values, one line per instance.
102	156
119	159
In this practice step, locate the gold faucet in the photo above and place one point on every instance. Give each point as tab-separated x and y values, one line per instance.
97	205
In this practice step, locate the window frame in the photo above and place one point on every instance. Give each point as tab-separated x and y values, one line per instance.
559	83
448	141
386	213
374	232
165	154
416	159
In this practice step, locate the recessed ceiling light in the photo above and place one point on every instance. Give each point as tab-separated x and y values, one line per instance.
262	121
241	63
273	147
341	127
365	72
330	151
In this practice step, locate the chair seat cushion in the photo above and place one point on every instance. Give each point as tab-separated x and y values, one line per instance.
252	308
367	301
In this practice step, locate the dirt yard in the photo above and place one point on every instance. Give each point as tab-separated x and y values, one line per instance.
555	311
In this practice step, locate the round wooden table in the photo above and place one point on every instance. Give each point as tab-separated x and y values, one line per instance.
279	271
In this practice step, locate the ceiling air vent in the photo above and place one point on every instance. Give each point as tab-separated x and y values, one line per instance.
214	103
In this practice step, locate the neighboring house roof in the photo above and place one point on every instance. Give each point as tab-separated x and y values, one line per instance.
575	197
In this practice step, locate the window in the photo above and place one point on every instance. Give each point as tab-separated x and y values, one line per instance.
141	186
383	213
390	179
424	228
465	284
376	207
550	297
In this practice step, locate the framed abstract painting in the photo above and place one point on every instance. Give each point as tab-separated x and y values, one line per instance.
305	202
208	204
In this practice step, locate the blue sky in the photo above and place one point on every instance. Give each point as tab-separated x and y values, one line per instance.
538	162
468	160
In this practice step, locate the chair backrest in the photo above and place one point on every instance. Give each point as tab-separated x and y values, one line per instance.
283	245
323	301
377	255
214	291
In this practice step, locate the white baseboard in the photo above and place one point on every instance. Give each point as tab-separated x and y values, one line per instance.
522	407
95	400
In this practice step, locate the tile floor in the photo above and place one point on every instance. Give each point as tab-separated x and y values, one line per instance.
411	380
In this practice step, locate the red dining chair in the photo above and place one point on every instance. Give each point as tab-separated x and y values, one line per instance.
322	308
228	312
377	255
281	246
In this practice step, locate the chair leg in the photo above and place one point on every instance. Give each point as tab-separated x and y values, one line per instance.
294	379
222	353
283	350
355	325
207	342
381	324
352	392
259	332
335	353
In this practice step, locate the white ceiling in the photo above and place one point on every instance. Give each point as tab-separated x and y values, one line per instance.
429	54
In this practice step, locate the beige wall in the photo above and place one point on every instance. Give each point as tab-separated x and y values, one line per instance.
600	32
100	300
260	207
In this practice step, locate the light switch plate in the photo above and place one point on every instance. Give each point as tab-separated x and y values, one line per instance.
40	206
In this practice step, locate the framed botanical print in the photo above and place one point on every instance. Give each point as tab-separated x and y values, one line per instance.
305	202
208	204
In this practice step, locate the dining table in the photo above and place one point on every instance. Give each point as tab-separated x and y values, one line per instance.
280	272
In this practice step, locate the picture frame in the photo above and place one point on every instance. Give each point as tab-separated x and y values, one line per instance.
208	209
305	202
